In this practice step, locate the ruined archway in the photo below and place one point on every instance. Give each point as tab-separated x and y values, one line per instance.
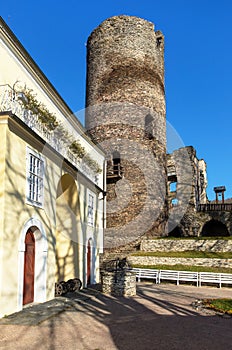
176	232
214	228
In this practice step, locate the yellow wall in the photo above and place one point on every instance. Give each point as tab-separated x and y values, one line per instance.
3	128
63	215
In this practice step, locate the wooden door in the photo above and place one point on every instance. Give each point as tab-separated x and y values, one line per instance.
29	268
89	263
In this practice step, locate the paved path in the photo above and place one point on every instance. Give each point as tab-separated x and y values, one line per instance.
158	317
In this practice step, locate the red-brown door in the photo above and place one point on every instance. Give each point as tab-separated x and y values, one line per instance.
29	268
89	263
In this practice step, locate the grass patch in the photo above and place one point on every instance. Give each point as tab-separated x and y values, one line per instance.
187	254
221	305
226	238
179	267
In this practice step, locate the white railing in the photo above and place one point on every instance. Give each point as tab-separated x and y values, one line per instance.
183	276
9	102
150	274
178	276
218	278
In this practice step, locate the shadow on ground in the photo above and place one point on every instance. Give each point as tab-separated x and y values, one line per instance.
154	319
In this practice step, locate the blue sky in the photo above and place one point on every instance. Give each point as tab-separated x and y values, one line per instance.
198	62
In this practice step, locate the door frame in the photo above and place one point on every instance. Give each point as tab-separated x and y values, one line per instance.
41	249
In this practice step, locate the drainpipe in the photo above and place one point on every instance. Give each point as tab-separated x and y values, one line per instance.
104	201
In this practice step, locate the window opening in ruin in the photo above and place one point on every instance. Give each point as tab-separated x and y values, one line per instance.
116	162
148	126
159	41
172	186
174	202
171	169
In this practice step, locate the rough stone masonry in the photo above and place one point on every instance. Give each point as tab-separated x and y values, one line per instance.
126	115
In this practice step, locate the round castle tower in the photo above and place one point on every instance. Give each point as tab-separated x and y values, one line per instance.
125	114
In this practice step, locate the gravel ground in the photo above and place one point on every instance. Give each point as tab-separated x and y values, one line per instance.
159	317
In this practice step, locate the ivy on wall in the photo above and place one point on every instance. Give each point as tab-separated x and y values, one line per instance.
30	102
77	149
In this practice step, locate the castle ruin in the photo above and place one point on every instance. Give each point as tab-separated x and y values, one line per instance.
149	193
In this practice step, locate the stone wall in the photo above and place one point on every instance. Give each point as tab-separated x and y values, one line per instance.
192	222
179	245
189	175
151	260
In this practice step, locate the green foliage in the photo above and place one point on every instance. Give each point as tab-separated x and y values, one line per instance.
227	238
39	109
77	149
221	305
187	254
45	117
179	267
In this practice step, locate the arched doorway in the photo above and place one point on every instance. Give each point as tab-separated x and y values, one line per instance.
38	240
89	258
29	268
214	228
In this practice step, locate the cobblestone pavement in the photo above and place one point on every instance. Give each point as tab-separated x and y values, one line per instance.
159	317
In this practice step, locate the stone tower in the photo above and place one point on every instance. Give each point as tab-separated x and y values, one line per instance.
125	114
